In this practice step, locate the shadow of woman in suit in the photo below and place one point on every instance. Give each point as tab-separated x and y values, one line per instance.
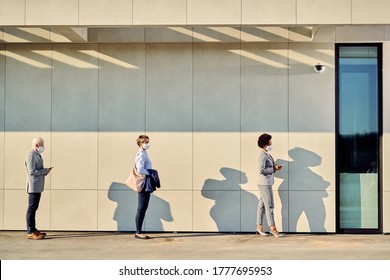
229	200
306	195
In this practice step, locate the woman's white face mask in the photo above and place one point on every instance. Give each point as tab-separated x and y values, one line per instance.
145	146
269	148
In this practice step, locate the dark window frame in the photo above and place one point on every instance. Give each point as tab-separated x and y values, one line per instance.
379	47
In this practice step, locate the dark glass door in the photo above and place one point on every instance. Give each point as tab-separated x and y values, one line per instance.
358	76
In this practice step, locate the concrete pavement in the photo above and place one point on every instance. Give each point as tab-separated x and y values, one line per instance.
193	246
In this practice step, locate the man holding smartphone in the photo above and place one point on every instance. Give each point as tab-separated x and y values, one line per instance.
35	185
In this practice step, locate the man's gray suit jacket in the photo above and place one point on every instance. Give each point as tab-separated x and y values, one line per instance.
35	172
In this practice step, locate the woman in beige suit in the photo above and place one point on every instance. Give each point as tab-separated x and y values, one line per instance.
267	168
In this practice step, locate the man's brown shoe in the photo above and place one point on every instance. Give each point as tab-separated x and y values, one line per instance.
40	233
35	236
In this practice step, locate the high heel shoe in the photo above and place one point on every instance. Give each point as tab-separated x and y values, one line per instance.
276	233
262	233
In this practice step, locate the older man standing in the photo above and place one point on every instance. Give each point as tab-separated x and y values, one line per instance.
35	185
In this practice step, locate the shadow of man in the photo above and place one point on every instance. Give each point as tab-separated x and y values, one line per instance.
310	187
228	199
127	201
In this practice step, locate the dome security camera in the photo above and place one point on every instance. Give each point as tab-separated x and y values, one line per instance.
319	68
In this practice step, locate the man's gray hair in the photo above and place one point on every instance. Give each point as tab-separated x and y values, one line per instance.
37	140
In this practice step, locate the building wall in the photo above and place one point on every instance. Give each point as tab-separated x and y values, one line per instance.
191	12
203	106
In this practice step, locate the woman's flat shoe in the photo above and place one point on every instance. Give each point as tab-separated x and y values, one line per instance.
276	233
262	233
142	237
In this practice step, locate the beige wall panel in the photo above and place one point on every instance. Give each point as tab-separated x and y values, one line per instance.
26	35
216	161
101	12
117	208
312	211
217	34
311	163
268	12
120	35
323	12
160	12
2	116
386	211
169	81
249	159
74	210
122	87
216	108
17	146
52	12
360	33
386	118
75	160
310	90
216	87
264	34
2	209
216	211
264	87
213	12
28	86
116	154
311	141
121	109
370	12
12	12
15	207
171	155
168	35
249	154
169	211
2	160
75	87
385	154
75	98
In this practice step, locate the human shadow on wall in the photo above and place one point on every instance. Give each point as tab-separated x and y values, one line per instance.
230	200
126	209
310	203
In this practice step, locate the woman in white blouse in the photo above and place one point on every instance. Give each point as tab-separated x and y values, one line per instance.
142	164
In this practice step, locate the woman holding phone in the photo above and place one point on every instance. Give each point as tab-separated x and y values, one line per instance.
267	168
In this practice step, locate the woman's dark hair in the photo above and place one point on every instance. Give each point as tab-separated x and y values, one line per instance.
263	140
